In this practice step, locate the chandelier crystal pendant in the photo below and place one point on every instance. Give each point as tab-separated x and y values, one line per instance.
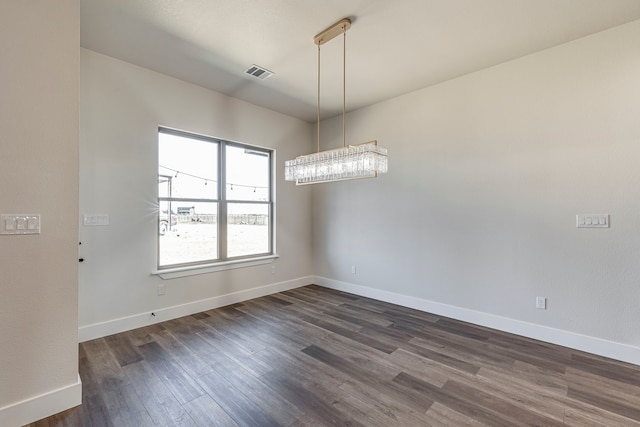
355	161
364	160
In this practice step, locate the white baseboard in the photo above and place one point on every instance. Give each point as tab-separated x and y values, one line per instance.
613	350
102	329
42	406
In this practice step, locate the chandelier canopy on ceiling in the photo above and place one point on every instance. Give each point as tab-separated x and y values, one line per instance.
364	160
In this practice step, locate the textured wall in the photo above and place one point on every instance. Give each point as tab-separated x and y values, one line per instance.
487	173
39	41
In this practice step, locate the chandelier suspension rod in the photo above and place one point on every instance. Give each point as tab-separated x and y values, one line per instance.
318	125
321	38
344	88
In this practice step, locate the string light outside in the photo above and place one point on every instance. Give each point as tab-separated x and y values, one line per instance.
207	180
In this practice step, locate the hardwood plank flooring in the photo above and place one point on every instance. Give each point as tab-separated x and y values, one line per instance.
315	357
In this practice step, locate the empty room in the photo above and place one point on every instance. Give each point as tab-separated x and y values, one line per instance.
297	213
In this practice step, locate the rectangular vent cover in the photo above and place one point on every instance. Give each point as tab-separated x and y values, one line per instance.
259	72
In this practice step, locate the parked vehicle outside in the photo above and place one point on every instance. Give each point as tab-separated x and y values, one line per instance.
167	223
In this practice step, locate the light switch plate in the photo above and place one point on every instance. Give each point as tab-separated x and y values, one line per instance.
92	220
592	221
19	223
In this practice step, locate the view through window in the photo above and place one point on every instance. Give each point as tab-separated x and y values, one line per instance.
214	198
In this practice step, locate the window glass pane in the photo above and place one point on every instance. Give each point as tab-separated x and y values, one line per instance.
189	166
190	200
247	174
247	229
168	220
164	185
190	233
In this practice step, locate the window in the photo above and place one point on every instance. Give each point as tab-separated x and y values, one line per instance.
215	200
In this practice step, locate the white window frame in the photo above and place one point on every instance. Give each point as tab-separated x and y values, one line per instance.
223	262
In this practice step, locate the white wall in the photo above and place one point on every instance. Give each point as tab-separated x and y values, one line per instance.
39	41
474	220
121	107
476	216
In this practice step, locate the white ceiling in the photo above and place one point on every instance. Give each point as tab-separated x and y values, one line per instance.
393	47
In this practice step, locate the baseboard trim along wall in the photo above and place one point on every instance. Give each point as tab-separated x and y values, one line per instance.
601	347
102	329
41	406
613	350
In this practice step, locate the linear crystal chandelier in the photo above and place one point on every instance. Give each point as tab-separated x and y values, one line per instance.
364	160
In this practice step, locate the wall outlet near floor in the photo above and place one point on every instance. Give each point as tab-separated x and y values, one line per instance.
162	290
541	303
353	269
273	269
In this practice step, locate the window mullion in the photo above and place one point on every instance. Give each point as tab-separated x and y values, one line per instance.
222	206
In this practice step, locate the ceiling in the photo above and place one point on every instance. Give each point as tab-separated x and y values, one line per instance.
393	47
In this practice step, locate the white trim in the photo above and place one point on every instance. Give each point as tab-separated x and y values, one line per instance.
42	406
102	329
192	270
614	350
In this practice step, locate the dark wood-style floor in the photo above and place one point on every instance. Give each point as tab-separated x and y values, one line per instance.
315	357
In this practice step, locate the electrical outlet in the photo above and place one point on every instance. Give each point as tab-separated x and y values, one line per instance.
162	290
353	269
541	303
273	269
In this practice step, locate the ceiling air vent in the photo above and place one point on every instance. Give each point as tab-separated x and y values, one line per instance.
259	72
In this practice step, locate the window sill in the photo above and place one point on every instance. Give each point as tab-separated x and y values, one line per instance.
192	270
